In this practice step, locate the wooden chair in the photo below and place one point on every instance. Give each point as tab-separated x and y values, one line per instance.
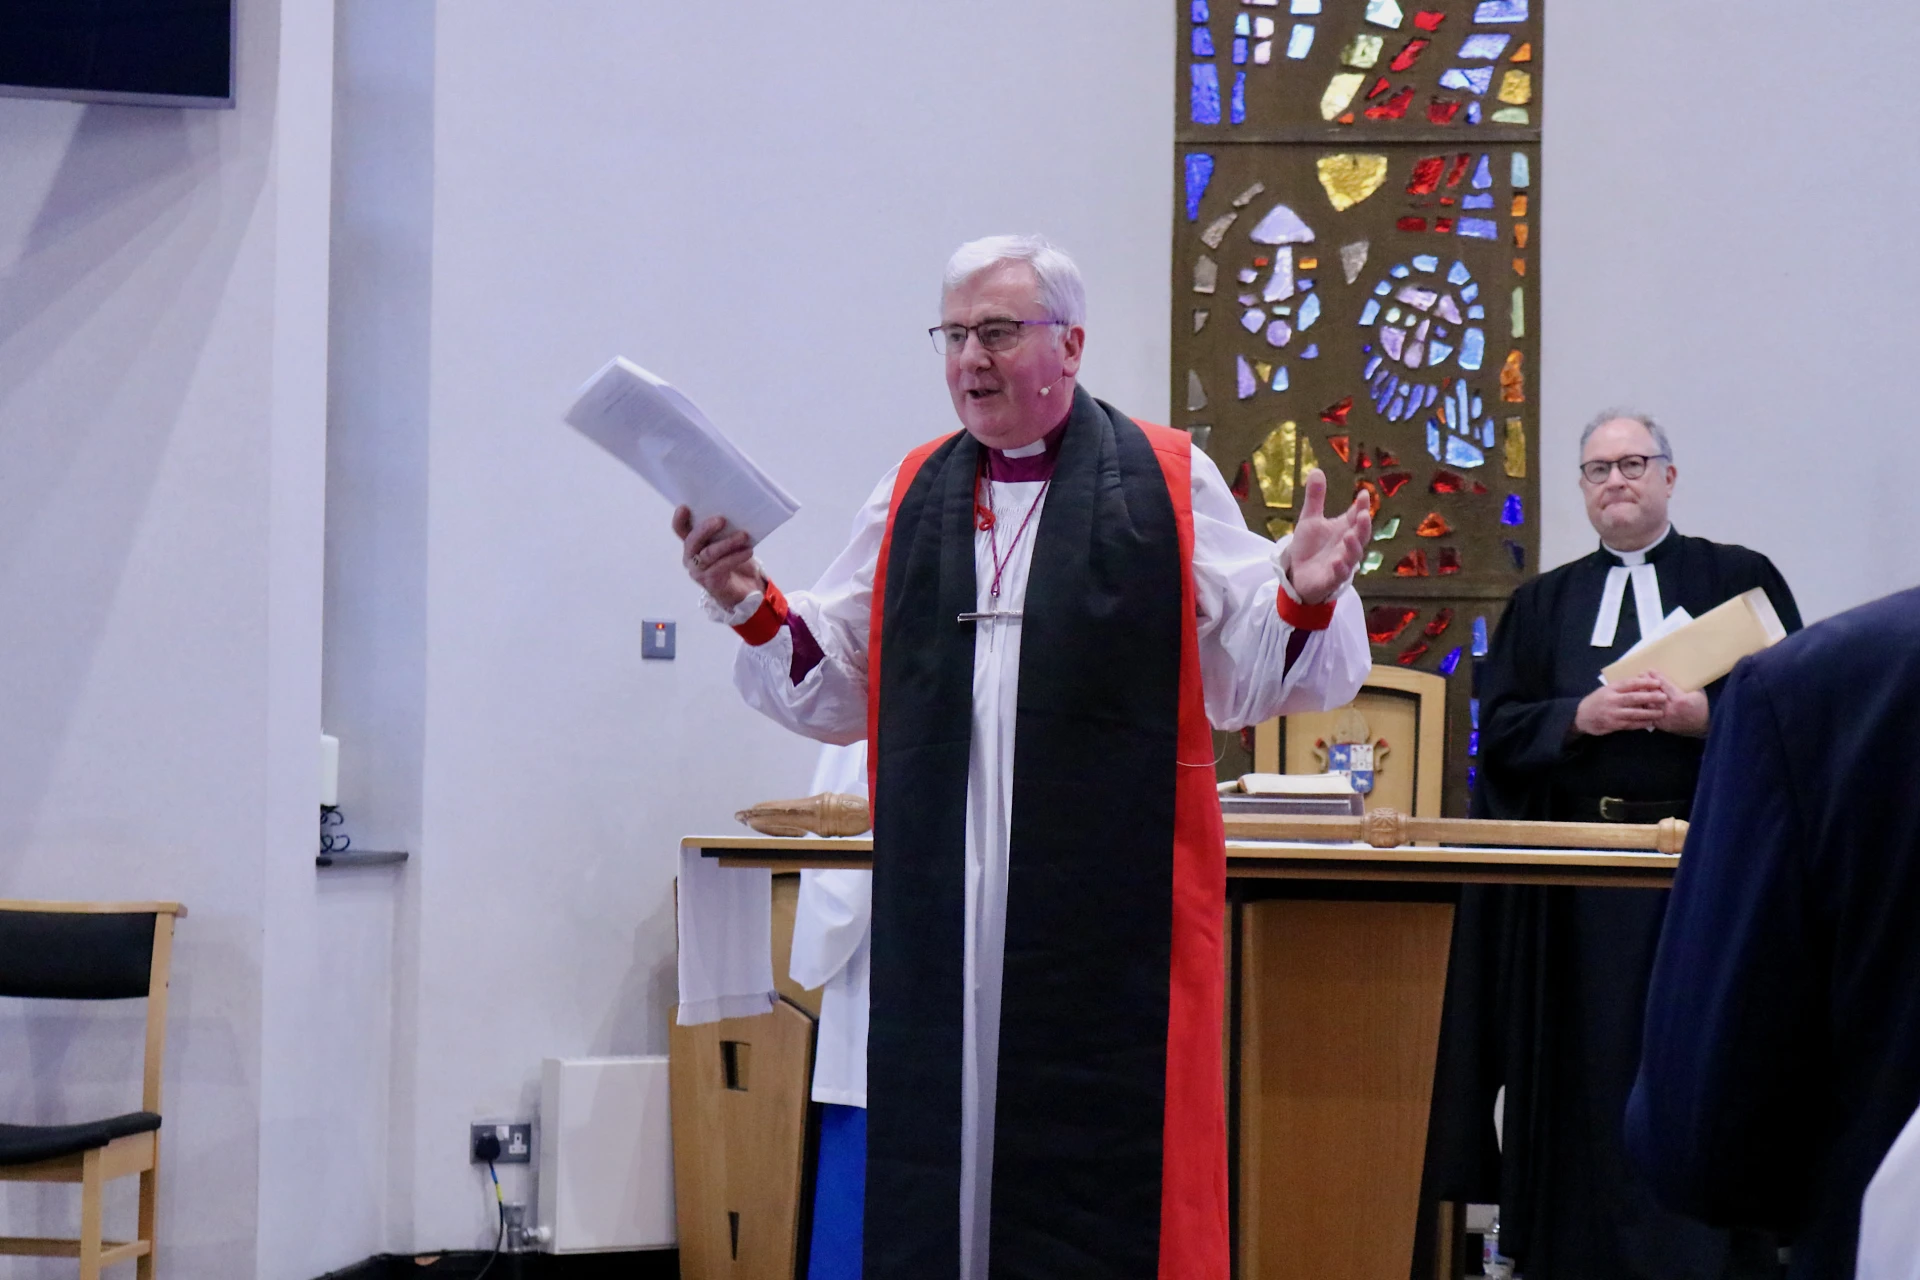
91	951
1406	708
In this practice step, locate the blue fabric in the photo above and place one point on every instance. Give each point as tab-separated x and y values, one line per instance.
839	1191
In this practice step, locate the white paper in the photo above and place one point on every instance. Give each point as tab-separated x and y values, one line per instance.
642	420
1669	624
1296	784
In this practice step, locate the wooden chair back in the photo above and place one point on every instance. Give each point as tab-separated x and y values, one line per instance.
1405	709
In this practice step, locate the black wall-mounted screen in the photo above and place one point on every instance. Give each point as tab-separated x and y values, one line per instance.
159	52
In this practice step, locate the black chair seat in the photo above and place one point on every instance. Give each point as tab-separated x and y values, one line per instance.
32	1143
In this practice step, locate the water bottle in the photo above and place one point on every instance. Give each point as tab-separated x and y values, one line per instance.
1492	1262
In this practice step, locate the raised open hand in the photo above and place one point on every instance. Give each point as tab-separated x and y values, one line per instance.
1326	549
719	560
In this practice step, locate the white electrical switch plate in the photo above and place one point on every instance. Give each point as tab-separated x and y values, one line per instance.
656	639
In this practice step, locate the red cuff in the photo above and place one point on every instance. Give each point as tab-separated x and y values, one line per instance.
1303	617
767	620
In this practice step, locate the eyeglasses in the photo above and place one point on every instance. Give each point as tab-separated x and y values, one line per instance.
995	335
1632	467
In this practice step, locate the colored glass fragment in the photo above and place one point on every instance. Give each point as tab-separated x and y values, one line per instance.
1252	319
1509	115
1385	457
1476	79
1204	101
1473	112
1427	172
1237	109
1202	43
1482	48
1380	86
1521	170
1242	482
1201	435
1459	168
1279	333
1199	10
1196	394
1309	312
1300	41
1341	445
1364	463
1263	27
1483	173
1240	48
1244	385
1411	565
1516	448
1442	110
1450	663
1337	414
1199	319
1394	481
1516	87
1373	561
1280	282
1263	53
1449	561
1434	526
1262	370
1524	53
1384	13
1278	527
1394	108
1362	51
1309	264
1500	11
1512	511
1447	482
1243	25
1353	259
1519	206
1479	637
1281	226
1479	200
1372	491
1513	379
1443	225
1518	552
1426	262
1312	352
1340	91
1371	310
1273	465
1519	266
1280	379
1448	310
1462	454
1410	54
1519	313
1411	224
1480	228
1438	624
1385	622
1199	174
1519	235
1217	230
1429	20
1414	652
1349	179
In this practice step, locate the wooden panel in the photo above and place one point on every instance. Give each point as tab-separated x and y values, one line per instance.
738	1151
1340	1023
786	901
1391	717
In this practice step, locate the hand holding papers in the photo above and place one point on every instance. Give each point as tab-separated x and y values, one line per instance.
641	420
1693	656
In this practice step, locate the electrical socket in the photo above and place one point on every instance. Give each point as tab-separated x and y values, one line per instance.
516	1142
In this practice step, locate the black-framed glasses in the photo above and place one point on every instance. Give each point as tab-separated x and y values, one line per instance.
1632	467
994	335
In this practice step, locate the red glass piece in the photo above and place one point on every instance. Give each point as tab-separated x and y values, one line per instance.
1337	415
1434	526
1409	55
1478	487
1380	86
1362	462
1372	491
1347	118
1339	444
1428	20
1385	622
1263	262
1447	482
1392	481
1438	624
1394	108
1411	224
1427	172
1385	458
1441	111
1243	482
1459	169
1449	560
1413	565
1443	225
1413	653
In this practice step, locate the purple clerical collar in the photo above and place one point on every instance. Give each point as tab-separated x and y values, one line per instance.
1029	462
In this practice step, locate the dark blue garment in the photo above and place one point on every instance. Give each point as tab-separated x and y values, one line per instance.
839	1191
1782	1047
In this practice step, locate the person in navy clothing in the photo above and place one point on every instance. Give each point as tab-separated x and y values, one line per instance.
1781	1054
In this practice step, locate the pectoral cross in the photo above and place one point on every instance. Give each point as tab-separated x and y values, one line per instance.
991	616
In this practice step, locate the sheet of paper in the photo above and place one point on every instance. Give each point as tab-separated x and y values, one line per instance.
1296	784
642	420
1700	652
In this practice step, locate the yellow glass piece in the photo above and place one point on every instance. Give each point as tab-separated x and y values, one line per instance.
1516	87
1519	206
1519	312
1349	179
1362	51
1519	235
1509	115
1273	465
1279	527
1516	448
1307	264
1340	91
1263	371
1373	561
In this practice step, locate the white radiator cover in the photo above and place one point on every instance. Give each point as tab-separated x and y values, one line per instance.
606	1154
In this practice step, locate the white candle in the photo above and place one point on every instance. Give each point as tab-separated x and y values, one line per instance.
329	770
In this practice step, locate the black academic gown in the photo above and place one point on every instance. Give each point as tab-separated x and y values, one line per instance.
1546	986
1783	1024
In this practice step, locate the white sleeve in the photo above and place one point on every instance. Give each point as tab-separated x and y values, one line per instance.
1243	639
830	703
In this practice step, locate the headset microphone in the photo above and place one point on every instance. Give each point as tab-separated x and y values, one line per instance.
1048	389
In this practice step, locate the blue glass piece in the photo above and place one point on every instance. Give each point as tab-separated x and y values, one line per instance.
1451	664
1383	289
1243	25
1200	10
1437	352
1500	11
1239	97
1473	737
1483	200
1473	704
1305	6
1476	312
1483	172
1280	378
1433	393
1433	439
1426	262
1473	113
1469	293
1440	329
1369	315
1478	407
1512	512
1312	352
1373	367
1473	775
1522	171
1243	380
1482	48
1303	284
1462	454
1459	274
1309	312
1199	174
1475	79
1205	100
1479	228
1479	648
1300	42
1202	42
1473	349
1486	433
1399	271
1518	552
1239	51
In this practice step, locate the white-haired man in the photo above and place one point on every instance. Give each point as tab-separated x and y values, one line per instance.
1033	624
